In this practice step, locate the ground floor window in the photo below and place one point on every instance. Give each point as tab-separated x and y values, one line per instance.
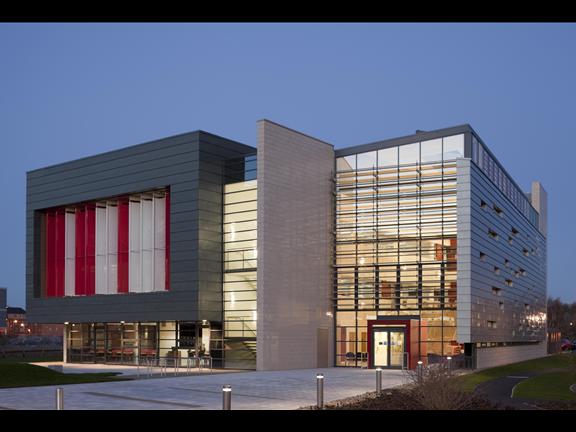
432	339
132	343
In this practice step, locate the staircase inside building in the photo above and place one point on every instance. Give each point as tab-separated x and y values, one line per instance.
240	353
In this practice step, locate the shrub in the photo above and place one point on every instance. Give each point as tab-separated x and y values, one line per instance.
436	389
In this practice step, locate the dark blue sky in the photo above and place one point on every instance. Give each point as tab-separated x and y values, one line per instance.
73	90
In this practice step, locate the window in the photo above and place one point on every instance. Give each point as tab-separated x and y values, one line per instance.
526	252
483	204
388	157
510	240
508	282
497	291
453	147
496	270
110	246
506	263
431	151
482	256
409	154
366	160
491	324
346	163
498	211
514	231
493	234
501	305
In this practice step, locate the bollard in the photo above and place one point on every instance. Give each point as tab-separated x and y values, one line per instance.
378	380
59	399
449	365
227	397
419	371
320	391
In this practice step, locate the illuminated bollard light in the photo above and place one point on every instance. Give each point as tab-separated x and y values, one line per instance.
449	365
419	371
320	391
59	399
378	380
227	397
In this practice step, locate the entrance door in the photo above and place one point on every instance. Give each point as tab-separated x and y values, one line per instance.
381	343
388	346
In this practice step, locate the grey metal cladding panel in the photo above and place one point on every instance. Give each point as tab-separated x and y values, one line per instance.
425	136
509	309
71	193
150	148
225	148
113	170
141	307
463	250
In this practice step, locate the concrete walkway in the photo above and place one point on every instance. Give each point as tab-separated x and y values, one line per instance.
125	370
250	390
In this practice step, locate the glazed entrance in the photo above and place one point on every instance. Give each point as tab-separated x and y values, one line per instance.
389	347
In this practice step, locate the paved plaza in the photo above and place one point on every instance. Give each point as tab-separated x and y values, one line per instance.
250	390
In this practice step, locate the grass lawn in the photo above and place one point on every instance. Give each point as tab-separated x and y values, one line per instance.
31	359
550	386
27	375
557	361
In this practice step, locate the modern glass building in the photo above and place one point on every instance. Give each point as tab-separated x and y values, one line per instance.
290	254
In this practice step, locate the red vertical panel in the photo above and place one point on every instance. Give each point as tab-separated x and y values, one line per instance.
90	249
123	242
80	285
167	229
60	249
50	255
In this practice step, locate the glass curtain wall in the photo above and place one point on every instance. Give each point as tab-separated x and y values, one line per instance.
396	245
240	263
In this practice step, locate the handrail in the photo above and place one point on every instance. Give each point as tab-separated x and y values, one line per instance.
177	363
251	330
405	361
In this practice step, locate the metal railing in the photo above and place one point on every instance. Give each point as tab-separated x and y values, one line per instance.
180	365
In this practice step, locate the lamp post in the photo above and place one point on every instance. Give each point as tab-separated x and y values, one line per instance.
59	399
227	397
320	391
419	371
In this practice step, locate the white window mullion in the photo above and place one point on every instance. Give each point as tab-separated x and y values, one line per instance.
101	235
147	244
70	255
112	248
135	246
153	245
159	243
